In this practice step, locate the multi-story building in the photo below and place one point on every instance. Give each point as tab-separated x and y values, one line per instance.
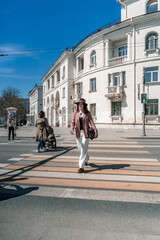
58	89
111	69
36	104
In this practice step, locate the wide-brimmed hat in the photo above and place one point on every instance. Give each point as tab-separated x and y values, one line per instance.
82	100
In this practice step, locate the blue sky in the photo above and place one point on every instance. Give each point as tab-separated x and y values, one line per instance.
35	32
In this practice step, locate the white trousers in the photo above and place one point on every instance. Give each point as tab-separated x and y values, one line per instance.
82	144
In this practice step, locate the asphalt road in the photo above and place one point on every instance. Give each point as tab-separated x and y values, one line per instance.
41	218
30	212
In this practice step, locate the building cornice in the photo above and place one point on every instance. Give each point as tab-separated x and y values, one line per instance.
66	54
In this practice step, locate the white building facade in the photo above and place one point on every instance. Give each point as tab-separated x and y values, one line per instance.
111	68
36	104
58	89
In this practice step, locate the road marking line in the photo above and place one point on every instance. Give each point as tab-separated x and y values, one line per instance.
93	194
3	165
14	159
113	151
88	170
98	161
106	145
25	155
132	186
111	158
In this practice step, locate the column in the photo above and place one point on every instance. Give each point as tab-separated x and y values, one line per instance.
129	47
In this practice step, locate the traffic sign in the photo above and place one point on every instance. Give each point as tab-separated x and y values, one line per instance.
144	98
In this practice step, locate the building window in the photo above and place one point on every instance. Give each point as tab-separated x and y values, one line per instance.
52	81
93	85
151	74
63	116
63	75
116	79
151	108
116	108
81	63
79	88
93	109
63	92
93	58
152	6
122	51
58	76
47	100
109	80
152	41
48	84
124	78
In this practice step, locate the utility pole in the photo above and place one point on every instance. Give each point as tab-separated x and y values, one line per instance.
143	101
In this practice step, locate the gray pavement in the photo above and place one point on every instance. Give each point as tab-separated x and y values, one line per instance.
63	133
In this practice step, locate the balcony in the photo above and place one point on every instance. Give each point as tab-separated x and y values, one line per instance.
117	60
114	93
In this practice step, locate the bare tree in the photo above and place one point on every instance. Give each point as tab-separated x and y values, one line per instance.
11	98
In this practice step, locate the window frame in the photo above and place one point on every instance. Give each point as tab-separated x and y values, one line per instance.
151	105
151	41
152	6
93	85
93	109
63	72
150	72
116	77
63	92
81	63
116	110
122	51
93	58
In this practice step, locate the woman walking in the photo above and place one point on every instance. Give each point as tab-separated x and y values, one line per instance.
81	121
41	135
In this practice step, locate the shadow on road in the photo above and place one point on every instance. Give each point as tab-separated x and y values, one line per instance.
12	191
22	170
97	167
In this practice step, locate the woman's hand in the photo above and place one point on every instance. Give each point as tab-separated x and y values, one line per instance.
96	134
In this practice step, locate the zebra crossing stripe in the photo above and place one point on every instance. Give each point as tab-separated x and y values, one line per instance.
97	170
115	151
106	145
98	161
114	185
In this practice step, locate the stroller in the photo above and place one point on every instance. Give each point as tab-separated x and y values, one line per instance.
51	142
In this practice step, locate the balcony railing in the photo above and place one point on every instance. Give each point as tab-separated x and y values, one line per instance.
115	92
117	60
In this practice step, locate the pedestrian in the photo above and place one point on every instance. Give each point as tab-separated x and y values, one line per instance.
41	135
11	127
80	124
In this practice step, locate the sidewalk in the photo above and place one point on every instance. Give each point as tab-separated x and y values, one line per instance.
63	133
